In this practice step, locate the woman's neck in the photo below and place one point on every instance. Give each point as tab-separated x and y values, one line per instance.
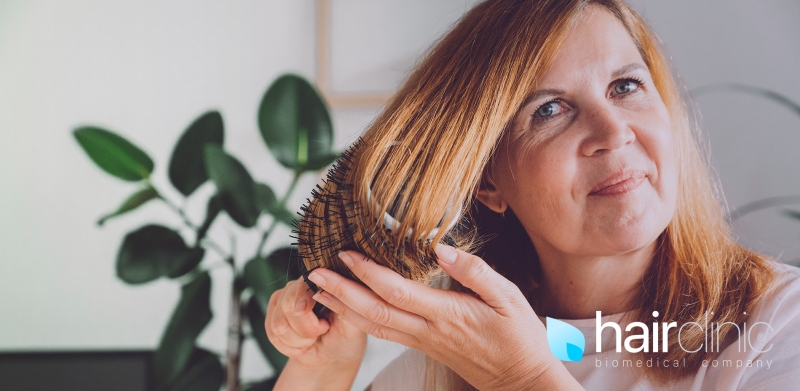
577	287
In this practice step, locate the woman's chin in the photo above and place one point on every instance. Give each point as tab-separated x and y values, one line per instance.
621	239
631	225
628	246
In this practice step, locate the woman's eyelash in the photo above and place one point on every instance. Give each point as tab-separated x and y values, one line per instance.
548	118
639	83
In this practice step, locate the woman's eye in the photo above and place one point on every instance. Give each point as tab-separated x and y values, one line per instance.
626	86
548	109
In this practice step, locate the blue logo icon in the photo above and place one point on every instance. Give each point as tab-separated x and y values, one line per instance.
566	342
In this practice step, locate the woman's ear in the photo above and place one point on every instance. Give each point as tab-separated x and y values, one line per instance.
488	194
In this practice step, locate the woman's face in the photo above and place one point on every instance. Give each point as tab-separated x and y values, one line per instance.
588	166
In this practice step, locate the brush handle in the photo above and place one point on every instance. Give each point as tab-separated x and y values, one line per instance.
321	311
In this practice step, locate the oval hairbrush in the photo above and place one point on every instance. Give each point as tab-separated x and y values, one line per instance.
334	220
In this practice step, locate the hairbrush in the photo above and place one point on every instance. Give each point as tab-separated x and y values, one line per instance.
334	220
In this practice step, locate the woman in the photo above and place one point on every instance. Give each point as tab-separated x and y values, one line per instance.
562	120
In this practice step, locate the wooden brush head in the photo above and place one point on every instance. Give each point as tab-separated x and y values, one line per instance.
334	220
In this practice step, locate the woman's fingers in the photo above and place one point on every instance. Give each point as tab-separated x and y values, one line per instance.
345	328
295	326
286	350
475	274
354	318
409	295
367	303
273	311
297	306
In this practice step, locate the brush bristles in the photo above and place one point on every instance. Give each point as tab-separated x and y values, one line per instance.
333	220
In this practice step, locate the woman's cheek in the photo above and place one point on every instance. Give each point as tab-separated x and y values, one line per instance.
662	151
543	178
554	183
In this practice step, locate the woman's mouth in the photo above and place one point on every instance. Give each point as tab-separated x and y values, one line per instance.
620	183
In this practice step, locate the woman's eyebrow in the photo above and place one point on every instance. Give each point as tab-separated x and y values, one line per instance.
627	68
541	93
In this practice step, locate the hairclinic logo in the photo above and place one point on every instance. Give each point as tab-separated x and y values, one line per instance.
567	343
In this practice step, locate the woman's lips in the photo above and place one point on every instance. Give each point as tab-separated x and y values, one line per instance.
620	183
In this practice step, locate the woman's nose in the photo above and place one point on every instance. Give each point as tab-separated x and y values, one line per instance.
607	131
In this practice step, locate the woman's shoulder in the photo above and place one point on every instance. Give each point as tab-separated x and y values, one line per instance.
780	305
785	291
787	271
768	357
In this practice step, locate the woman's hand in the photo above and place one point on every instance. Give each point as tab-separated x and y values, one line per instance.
493	340
313	343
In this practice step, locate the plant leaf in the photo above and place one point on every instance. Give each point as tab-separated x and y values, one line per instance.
235	186
295	123
264	385
190	259
283	259
284	216
791	213
256	315
150	252
134	201
190	317
268	203
321	162
752	90
187	169
213	208
262	278
204	372
265	197
114	154
266	275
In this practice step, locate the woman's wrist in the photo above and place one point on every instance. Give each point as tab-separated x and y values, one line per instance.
532	373
552	375
300	377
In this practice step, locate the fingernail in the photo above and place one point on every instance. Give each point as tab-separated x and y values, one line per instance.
446	253
317	279
346	258
318	297
300	306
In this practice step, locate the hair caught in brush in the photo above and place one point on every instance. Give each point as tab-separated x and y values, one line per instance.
335	220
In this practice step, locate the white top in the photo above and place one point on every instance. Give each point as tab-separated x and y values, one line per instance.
777	368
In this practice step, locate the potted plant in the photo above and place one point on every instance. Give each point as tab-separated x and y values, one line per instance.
295	124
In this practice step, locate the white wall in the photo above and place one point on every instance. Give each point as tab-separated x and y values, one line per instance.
753	141
146	69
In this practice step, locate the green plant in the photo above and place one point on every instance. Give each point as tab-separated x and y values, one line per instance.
296	127
768	202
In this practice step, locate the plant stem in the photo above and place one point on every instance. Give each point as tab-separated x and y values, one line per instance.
217	265
214	246
281	205
235	337
179	211
292	185
763	203
266	236
235	333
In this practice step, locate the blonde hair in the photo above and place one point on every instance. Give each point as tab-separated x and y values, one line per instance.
447	119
